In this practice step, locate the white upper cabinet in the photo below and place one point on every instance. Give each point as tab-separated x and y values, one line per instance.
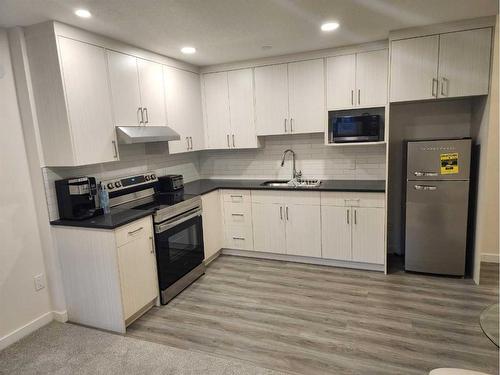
464	63
306	85
229	109
184	114
371	78
357	80
71	91
341	81
271	99
414	64
217	110
137	90
290	98
242	108
448	65
125	91
152	92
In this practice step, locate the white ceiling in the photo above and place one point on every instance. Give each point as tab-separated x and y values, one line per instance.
231	30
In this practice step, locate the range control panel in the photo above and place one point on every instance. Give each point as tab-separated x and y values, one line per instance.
129	182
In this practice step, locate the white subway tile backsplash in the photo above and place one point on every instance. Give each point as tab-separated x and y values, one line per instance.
312	157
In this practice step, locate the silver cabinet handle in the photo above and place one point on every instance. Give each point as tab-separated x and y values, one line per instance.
434	87
291	125
425	187
359	96
286	212
285	125
237	215
191	142
281	212
187	143
352	97
233	141
135	231
139	113
227	137
355	216
236	196
347	216
239	238
426	174
152	245
444	82
146	115
116	150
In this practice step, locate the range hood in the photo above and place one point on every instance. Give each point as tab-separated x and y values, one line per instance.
146	134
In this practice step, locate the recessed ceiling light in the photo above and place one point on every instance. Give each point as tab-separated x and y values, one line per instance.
84	13
188	50
329	26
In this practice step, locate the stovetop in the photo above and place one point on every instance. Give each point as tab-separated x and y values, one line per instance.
168	205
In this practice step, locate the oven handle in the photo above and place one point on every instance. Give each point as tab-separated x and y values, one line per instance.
159	228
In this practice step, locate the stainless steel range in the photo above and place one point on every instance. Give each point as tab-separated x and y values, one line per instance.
177	227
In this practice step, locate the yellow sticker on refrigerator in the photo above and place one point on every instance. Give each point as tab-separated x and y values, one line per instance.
449	163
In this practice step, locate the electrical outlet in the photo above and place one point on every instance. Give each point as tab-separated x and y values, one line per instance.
39	282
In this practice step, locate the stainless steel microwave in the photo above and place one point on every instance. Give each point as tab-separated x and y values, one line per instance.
363	128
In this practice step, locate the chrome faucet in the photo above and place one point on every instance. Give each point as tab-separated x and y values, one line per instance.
295	174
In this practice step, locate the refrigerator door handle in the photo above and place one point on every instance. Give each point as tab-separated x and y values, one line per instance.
425	187
426	174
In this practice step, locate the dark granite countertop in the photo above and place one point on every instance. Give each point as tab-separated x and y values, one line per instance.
116	218
200	187
122	216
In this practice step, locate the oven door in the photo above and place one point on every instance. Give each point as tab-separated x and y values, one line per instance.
179	247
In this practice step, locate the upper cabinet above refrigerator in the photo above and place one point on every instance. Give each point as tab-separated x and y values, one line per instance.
454	64
137	90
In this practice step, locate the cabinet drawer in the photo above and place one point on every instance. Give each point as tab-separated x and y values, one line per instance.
132	231
239	237
343	199
286	197
237	213
236	196
267	196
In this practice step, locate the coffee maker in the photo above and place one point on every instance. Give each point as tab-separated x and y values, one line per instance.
76	198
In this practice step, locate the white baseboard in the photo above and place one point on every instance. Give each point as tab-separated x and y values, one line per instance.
60	316
307	260
25	330
490	257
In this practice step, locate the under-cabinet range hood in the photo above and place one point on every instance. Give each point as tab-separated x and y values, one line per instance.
146	134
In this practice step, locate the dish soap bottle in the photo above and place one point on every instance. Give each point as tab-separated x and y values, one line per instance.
103	198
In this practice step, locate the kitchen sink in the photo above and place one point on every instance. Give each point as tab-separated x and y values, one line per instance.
275	183
293	183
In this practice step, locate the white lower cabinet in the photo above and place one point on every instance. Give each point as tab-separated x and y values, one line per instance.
303	230
268	228
238	231
109	276
353	227
212	223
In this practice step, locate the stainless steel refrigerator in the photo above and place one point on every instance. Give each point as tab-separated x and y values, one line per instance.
436	208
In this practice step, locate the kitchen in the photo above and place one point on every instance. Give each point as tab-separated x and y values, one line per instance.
267	170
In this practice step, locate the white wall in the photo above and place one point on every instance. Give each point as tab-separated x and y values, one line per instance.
20	250
312	157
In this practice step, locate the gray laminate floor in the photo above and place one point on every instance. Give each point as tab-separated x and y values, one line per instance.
306	319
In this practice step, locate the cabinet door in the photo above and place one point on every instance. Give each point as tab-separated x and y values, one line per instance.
268	227
271	99
152	92
217	110
303	230
137	264
341	81
125	94
242	109
184	115
86	87
414	64
464	63
371	78
336	232
212	223
306	84
368	235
